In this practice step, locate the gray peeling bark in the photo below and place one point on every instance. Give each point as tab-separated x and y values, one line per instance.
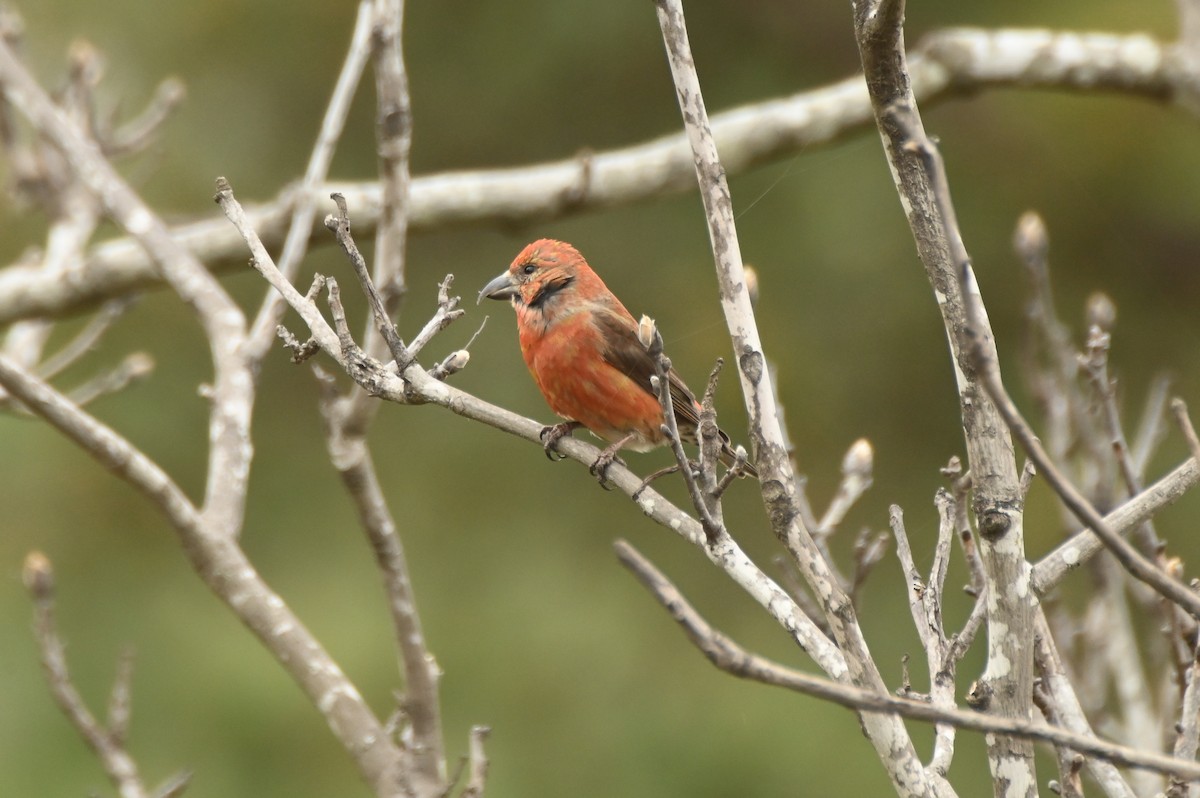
1006	686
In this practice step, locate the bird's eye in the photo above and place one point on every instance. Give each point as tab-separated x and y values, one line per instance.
529	268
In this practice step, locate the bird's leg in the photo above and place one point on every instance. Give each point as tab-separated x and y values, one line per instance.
662	472
599	469
553	433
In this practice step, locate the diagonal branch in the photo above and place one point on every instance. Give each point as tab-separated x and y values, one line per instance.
224	567
1083	545
732	658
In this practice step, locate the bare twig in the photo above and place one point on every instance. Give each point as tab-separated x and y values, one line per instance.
393	135
1083	545
85	340
706	507
299	228
1151	430
120	699
925	606
340	225
138	133
477	763
856	480
109	746
1095	363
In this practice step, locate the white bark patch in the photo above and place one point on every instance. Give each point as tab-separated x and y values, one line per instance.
1016	774
999	665
1019	589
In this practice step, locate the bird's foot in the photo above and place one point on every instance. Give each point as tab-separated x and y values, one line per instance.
662	472
599	469
553	433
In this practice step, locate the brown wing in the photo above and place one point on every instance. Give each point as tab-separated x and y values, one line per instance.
626	353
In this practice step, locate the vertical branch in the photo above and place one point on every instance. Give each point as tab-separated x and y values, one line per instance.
998	502
262	333
887	733
393	131
352	457
1055	684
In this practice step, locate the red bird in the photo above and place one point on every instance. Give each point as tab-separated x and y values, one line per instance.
583	349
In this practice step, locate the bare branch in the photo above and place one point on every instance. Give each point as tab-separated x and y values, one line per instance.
951	62
352	457
1083	545
731	658
229	574
340	225
222	320
1137	565
477	762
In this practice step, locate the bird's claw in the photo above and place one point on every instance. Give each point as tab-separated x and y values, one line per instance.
552	434
599	469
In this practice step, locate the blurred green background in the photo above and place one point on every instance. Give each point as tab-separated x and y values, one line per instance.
589	688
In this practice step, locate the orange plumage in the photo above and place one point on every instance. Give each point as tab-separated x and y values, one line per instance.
582	348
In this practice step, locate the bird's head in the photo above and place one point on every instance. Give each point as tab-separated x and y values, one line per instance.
543	271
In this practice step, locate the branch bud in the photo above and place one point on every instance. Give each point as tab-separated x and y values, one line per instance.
646	331
1101	311
38	575
1030	240
137	365
859	459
